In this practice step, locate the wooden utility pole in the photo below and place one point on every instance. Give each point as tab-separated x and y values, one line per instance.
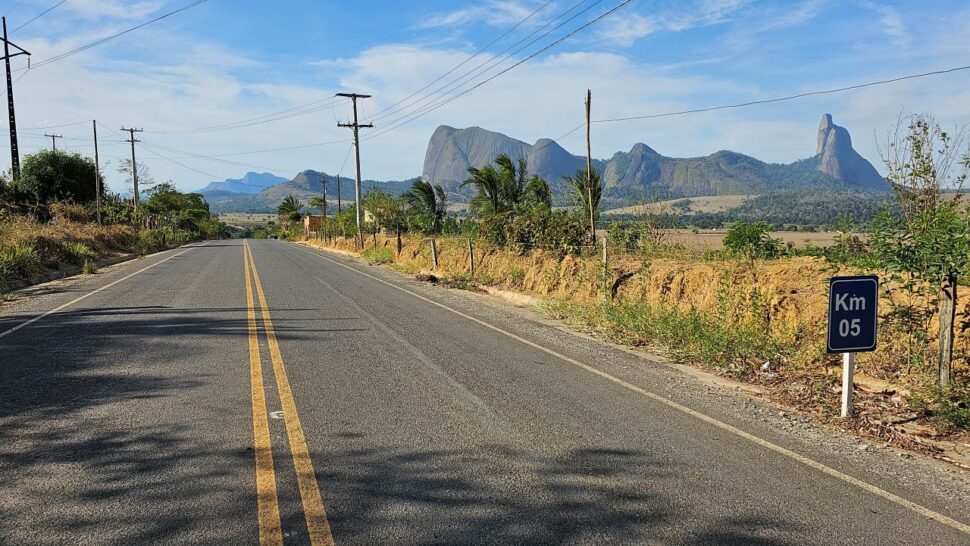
53	140
356	127
338	194
14	150
97	174
589	169
134	165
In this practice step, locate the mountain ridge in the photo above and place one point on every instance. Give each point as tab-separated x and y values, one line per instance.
836	165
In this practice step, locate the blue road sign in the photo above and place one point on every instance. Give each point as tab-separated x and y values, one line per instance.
853	303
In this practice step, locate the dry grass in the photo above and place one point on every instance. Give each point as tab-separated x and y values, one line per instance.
694	205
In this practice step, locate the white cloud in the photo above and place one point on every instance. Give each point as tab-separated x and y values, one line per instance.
491	12
93	9
892	23
625	28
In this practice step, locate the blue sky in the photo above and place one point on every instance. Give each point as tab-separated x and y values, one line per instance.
225	61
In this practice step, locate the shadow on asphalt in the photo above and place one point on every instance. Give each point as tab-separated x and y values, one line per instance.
587	496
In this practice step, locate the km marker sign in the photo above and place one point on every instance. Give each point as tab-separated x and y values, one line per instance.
853	317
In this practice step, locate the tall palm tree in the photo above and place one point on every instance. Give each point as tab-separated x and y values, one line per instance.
538	193
289	210
583	188
430	201
489	195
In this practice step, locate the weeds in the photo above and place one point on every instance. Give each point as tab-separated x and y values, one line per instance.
948	407
77	253
378	256
21	260
89	267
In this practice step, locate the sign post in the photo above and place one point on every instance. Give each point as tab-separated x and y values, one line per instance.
853	317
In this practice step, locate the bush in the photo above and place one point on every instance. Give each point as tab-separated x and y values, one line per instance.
77	253
89	267
378	256
556	231
22	260
752	240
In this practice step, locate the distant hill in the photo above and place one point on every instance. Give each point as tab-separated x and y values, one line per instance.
304	186
250	183
629	176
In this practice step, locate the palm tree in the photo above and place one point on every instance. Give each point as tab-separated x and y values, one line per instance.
583	188
289	210
430	202
489	196
538	193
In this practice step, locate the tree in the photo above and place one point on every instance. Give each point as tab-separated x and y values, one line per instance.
929	240
176	209
289	210
319	203
752	240
585	187
50	176
489	198
429	203
538	193
385	209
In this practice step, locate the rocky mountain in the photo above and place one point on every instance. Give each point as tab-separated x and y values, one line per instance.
839	160
644	172
250	183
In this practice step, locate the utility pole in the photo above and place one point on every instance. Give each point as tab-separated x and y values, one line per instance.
134	166
338	194
53	140
356	127
14	150
97	174
589	169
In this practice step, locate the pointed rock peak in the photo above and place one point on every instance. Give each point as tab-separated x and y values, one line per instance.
826	122
831	136
642	149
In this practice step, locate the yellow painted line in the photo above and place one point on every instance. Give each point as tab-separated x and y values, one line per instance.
316	515
267	504
93	292
866	486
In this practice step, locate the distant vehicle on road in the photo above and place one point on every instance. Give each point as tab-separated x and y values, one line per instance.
274	236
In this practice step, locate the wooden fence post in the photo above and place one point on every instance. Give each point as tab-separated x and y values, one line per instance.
434	254
606	264
399	246
471	258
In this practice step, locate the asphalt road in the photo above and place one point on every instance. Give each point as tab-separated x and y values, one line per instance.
218	395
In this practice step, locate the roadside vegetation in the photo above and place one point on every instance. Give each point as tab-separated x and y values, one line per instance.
754	311
49	221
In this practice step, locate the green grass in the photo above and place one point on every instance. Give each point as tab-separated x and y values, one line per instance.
738	349
378	256
77	253
949	408
22	260
89	267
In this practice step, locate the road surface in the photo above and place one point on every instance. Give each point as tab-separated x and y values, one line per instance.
237	392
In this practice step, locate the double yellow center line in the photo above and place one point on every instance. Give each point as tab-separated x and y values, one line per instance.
267	504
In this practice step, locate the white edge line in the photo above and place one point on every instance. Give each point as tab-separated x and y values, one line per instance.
919	509
93	292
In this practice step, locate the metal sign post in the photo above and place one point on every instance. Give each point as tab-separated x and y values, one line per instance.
852	327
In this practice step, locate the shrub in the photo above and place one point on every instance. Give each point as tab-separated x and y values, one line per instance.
22	260
77	253
752	240
89	267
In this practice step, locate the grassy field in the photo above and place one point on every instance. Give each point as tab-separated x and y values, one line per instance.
246	219
713	239
686	205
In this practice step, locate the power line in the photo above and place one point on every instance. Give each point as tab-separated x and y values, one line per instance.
275	116
494	60
55	126
36	17
15	6
116	35
476	54
216	159
789	97
439	104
